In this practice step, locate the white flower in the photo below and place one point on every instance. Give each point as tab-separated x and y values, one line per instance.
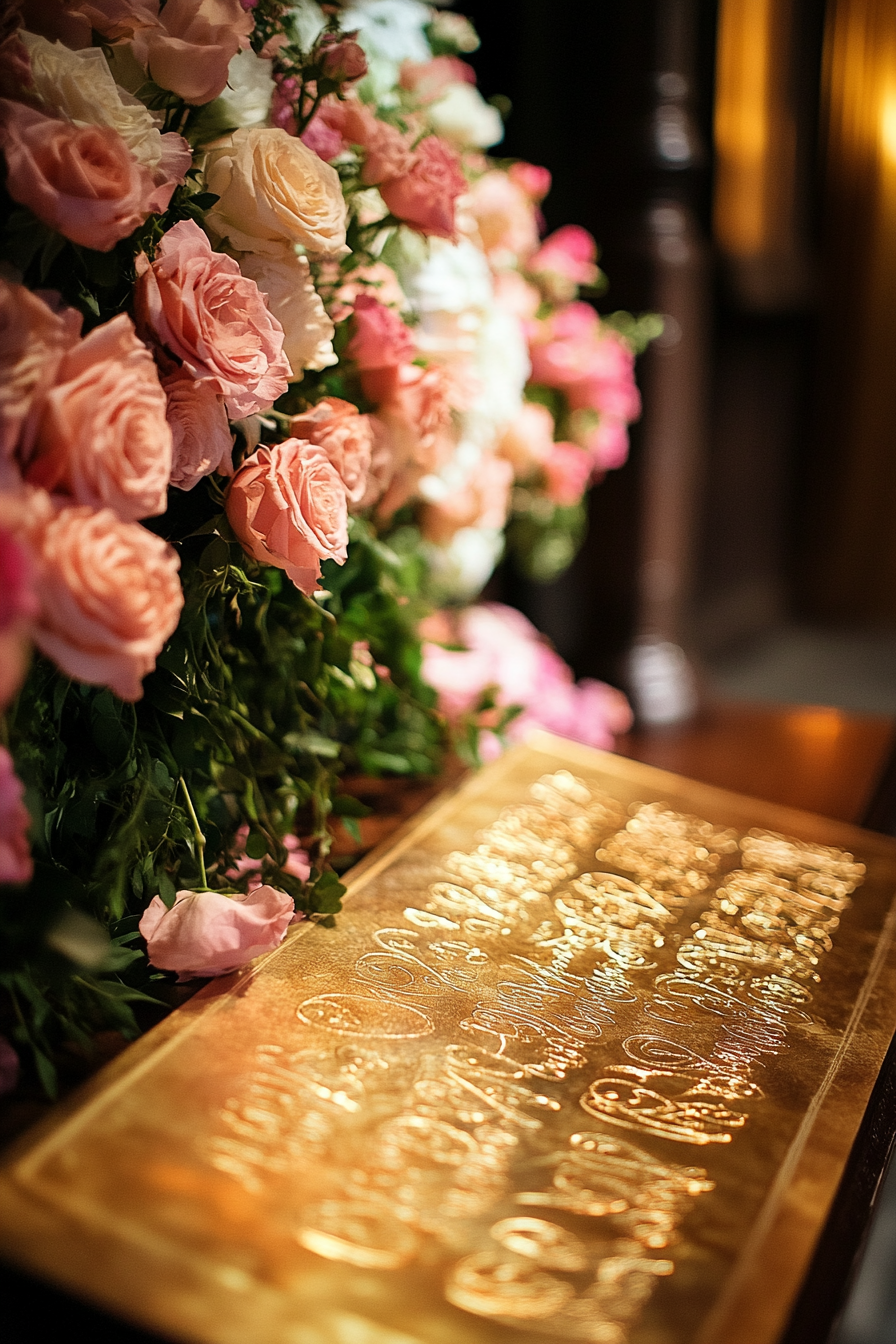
463	116
460	570
289	289
306	20
250	87
80	86
502	369
390	31
448	277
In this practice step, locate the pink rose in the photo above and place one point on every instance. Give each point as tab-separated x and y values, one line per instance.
345	436
323	133
380	339
15	852
9	1067
567	471
608	443
426	195
565	260
387	153
414	432
102	438
109	598
33	338
508	228
528	440
207	933
202	442
297	862
515	295
534	181
429	79
209	319
80	180
340	57
591	363
191	44
15	68
287	505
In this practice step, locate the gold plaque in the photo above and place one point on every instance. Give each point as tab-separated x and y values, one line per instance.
582	1060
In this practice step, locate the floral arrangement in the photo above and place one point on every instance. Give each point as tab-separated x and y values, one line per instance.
284	363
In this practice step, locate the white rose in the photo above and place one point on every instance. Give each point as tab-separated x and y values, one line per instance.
502	370
289	289
250	87
80	86
447	277
274	192
463	116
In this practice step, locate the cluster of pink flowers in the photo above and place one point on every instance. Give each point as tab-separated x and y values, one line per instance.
504	654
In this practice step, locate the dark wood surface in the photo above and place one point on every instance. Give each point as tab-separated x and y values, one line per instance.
817	759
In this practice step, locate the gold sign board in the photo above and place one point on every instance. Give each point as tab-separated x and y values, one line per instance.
582	1060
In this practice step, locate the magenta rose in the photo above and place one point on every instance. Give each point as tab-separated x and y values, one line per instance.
102	437
207	933
80	180
426	195
287	505
15	852
208	319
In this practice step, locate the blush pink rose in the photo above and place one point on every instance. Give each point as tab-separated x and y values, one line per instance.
566	260
345	436
206	317
33	338
426	195
15	852
380	340
191	44
414	431
80	180
608	443
287	505
534	181
591	363
387	152
109	598
102	438
201	438
481	502
567	470
505	216
429	79
206	933
528	440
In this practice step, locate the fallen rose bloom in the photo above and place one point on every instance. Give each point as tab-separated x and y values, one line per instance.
102	437
426	195
109	597
287	506
206	933
205	316
15	854
80	180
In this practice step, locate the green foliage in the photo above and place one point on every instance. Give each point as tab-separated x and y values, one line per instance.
542	537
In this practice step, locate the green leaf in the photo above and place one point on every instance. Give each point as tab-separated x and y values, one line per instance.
167	891
344	805
256	845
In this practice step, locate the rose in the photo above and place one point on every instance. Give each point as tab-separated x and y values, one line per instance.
102	437
207	933
425	196
79	86
33	339
380	340
201	438
480	501
508	228
387	153
535	181
297	861
189	47
567	471
413	432
528	440
465	119
430	79
340	57
80	180
18	605
286	285
345	436
287	506
207	318
15	854
109	598
274	192
564	261
607	443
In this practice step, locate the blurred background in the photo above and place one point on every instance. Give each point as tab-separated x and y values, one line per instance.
736	160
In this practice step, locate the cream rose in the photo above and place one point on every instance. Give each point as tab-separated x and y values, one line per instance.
109	598
274	192
286	283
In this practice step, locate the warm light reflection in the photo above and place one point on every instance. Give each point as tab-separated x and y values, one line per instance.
815	725
754	134
888	126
